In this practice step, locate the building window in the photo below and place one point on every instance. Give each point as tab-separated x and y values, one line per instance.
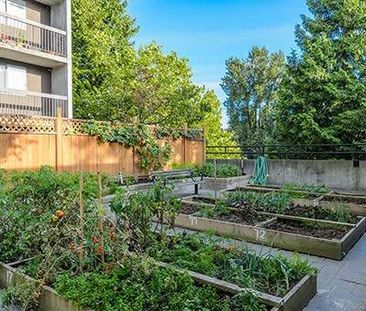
16	8
13	77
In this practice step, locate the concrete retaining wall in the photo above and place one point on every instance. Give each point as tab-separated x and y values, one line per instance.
224	183
336	174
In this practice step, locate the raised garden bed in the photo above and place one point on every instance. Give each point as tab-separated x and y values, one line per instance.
356	203
299	197
296	299
273	278
49	300
275	232
332	212
99	263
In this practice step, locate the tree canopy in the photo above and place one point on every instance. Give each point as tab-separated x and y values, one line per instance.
251	86
323	96
113	80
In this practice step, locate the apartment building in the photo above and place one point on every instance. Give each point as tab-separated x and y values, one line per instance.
35	57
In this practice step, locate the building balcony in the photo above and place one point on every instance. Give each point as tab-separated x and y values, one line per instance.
32	103
31	42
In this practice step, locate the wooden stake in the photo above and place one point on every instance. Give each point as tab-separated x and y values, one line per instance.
59	160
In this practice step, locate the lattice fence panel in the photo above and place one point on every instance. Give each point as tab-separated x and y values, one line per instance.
27	124
73	127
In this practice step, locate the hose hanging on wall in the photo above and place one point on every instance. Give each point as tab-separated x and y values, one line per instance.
260	172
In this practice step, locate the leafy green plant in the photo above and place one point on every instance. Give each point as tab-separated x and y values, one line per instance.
77	249
140	285
264	272
135	212
276	202
311	188
338	212
24	295
152	155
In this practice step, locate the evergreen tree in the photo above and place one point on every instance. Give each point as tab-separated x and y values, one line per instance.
251	86
323	95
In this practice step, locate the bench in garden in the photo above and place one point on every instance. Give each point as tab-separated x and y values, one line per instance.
175	175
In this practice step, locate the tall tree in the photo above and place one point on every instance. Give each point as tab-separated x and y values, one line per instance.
162	91
251	85
102	55
212	123
115	81
323	97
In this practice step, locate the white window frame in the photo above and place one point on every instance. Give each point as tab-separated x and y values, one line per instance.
13	22
5	78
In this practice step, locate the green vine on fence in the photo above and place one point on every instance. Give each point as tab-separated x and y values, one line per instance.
152	154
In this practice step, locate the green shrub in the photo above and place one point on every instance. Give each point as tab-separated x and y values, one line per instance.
271	274
140	285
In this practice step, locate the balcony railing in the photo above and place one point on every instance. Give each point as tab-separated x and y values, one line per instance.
32	104
31	35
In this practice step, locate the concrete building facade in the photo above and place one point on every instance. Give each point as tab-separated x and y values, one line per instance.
35	57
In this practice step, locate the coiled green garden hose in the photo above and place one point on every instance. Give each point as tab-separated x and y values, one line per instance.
260	173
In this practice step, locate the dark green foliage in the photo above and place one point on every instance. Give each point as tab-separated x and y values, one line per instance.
139	285
135	213
271	274
115	81
24	295
250	86
105	266
323	96
276	202
152	155
102	50
31	200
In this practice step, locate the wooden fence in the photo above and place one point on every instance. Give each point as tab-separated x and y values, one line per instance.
27	143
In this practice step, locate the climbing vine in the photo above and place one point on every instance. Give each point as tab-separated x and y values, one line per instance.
152	154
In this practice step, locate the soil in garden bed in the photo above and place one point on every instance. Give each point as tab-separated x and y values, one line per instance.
341	199
317	212
245	215
309	229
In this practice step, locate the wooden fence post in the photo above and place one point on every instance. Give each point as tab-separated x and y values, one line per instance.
59	160
204	143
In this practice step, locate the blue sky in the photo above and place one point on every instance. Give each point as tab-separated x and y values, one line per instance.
208	32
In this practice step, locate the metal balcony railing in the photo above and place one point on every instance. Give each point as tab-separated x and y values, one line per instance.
31	35
32	104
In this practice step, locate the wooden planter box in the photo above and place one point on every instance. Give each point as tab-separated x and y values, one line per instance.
296	299
330	248
49	299
358	208
301	201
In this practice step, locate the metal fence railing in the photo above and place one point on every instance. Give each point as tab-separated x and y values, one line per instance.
32	104
316	151
31	35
